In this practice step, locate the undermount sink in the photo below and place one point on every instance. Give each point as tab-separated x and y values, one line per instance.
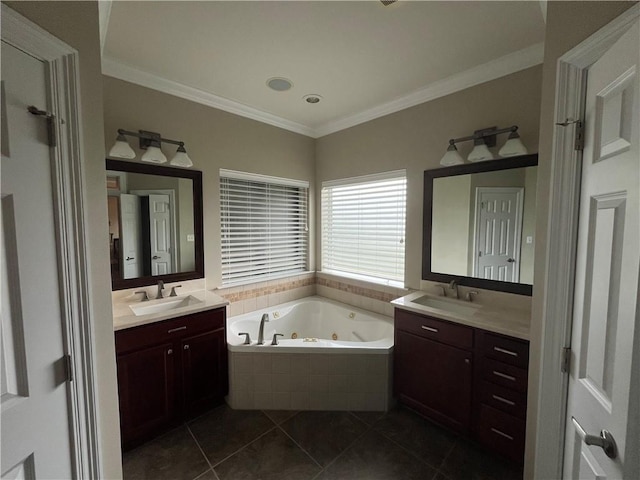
164	305
447	306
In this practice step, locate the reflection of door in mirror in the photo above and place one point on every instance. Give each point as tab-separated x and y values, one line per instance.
497	233
113	206
157	233
130	236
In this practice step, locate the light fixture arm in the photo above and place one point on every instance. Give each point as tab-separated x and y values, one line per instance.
149	138
486	134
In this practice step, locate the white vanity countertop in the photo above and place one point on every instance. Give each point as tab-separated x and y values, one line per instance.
506	321
124	317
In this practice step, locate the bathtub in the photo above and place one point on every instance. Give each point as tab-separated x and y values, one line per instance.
313	325
332	356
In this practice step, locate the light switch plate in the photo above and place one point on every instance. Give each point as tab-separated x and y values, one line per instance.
191	237
529	240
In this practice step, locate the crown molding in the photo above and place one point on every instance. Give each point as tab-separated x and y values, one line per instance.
511	63
104	14
113	68
500	67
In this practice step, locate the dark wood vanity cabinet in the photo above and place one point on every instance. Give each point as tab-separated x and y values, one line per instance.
433	368
169	371
464	378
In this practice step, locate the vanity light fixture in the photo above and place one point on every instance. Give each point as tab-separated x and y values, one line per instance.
482	140
151	142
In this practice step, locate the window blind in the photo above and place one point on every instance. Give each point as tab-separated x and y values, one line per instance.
363	226
263	227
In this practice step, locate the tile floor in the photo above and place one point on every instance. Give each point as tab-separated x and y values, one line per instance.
227	444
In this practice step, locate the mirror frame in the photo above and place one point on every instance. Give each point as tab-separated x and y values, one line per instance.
480	167
198	225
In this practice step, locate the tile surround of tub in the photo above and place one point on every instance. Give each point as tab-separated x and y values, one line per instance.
261	295
309	381
366	295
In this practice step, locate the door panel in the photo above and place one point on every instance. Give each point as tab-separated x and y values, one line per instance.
35	433
607	263
498	232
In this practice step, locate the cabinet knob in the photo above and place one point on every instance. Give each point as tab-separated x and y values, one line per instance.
186	347
467	360
170	351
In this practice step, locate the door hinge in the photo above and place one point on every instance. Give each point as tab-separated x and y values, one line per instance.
565	363
579	136
578	142
51	123
68	368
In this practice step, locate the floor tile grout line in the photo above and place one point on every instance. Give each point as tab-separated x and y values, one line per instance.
347	448
300	447
206	459
413	454
244	446
444	459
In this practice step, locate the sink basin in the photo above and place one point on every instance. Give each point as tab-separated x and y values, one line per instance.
445	305
164	305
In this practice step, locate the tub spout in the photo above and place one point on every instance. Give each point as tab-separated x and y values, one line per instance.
265	318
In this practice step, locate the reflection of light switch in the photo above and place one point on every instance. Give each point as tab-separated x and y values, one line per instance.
191	237
529	240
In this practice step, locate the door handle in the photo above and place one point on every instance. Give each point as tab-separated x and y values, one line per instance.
155	257
130	258
604	441
510	260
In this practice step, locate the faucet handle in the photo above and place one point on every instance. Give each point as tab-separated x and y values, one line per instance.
247	338
275	338
145	297
173	290
470	295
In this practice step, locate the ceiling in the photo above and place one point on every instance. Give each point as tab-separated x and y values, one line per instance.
363	58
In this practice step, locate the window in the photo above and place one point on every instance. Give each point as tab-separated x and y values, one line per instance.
363	227
263	227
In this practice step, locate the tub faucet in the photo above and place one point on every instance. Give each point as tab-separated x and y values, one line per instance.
265	318
160	288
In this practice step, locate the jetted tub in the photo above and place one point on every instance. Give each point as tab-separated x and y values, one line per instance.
313	323
332	356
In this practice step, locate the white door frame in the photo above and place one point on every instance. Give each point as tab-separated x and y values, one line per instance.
560	262
68	187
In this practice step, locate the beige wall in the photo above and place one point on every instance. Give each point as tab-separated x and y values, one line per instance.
528	226
214	139
568	24
416	139
76	23
451	234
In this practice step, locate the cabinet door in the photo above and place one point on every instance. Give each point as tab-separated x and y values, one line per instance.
147	391
204	370
434	379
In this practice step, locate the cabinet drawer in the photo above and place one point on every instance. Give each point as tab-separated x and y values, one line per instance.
168	330
505	399
501	433
434	329
504	375
507	350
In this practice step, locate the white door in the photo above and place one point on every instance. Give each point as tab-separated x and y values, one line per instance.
498	232
160	233
607	263
34	411
130	236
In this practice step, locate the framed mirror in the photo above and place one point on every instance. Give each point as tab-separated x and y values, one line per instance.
155	224
479	224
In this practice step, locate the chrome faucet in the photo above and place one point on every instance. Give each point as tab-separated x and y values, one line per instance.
265	318
453	285
160	288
